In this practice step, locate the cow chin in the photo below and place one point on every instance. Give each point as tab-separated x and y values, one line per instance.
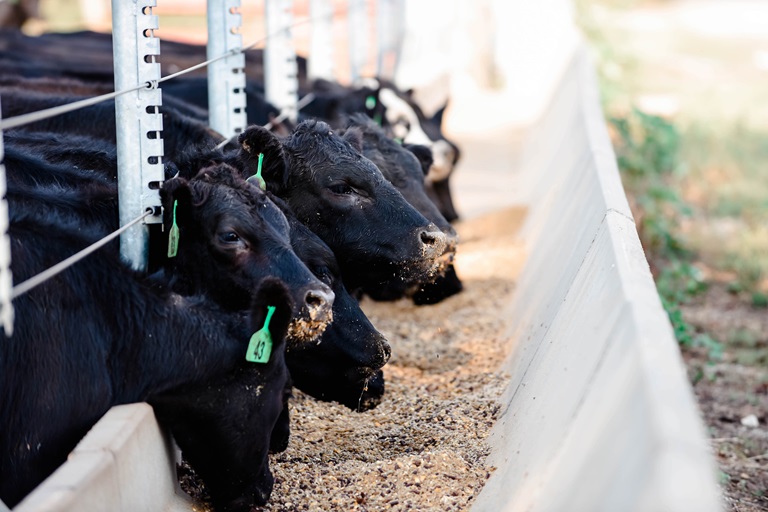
368	393
258	495
423	270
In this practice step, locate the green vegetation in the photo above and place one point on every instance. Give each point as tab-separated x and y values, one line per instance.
696	177
647	148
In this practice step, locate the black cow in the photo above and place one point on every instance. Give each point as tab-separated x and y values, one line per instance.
99	334
351	350
340	195
223	248
403	166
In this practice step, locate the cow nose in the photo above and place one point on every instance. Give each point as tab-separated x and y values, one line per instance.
384	351
319	303
433	242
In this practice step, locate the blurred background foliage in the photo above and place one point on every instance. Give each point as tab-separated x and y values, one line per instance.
689	123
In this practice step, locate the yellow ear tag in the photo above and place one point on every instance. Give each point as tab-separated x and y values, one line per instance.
260	346
173	235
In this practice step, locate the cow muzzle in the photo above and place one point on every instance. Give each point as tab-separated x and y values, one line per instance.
433	243
314	316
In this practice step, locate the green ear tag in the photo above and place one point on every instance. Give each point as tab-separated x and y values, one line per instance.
173	235
260	346
370	102
257	177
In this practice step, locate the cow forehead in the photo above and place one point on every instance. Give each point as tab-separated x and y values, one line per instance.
249	206
362	171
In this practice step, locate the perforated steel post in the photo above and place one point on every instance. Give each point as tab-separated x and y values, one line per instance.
320	63
390	31
226	77
139	123
281	81
359	30
6	279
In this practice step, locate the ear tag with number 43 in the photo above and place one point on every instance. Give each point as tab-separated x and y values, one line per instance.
260	346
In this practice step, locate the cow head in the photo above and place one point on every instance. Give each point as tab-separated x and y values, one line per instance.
231	236
405	167
350	351
333	102
226	427
404	120
342	197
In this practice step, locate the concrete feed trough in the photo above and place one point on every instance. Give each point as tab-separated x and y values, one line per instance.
598	414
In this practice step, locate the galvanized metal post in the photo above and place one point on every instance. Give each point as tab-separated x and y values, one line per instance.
390	30
6	279
359	30
139	123
281	81
320	63
226	77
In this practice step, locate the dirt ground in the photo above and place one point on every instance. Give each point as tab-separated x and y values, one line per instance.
733	394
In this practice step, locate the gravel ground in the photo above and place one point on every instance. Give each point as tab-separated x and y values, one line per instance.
730	390
423	447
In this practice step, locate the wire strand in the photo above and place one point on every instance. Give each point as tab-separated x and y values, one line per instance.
32	117
43	276
303	102
39	115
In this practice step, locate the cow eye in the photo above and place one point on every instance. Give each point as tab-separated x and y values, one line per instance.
230	237
341	188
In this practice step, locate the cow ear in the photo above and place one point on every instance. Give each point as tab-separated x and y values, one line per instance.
355	138
438	117
257	140
175	194
423	154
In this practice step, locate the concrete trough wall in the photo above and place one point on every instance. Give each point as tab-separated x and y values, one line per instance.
598	415
125	463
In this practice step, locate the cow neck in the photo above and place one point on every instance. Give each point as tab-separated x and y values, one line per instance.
190	342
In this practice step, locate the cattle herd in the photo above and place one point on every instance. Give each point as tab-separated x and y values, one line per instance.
356	202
